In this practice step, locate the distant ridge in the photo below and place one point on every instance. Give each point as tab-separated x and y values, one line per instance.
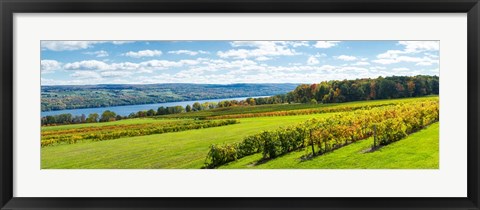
105	95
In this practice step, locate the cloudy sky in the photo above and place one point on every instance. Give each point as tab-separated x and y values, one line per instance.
226	62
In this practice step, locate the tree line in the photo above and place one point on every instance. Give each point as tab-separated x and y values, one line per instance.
366	89
68	118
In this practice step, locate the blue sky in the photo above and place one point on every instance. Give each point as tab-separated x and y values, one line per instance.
226	62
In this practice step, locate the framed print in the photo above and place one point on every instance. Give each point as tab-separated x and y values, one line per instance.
239	105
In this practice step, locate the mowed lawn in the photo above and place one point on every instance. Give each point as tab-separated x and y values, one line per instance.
419	150
186	149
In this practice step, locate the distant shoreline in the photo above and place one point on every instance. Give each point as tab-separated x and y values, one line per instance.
137	107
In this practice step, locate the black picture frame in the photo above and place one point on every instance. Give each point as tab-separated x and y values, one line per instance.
10	7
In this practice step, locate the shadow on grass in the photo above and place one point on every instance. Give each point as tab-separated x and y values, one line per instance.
311	156
265	160
372	149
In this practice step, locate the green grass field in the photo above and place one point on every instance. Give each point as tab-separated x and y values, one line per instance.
188	149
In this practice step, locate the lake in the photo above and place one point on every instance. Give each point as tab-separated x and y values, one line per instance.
126	110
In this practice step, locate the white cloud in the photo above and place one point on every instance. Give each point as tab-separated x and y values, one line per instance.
420	46
326	44
246	66
267	74
74	45
188	52
261	49
123	66
361	63
299	43
385	61
391	54
98	54
401	69
262	58
190	62
115	73
435	71
87	65
122	42
98	70
410	53
377	68
431	55
220	65
166	64
204	70
143	53
223	72
67	45
346	58
422	61
48	66
45	81
256	44
86	75
142	67
319	55
312	61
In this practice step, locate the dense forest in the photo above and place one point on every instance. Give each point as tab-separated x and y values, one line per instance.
338	91
92	96
365	89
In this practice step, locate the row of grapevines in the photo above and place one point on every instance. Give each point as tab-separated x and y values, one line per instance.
299	112
129	131
386	124
100	127
411	120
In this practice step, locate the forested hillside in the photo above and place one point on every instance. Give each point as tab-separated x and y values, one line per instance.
366	89
336	91
90	96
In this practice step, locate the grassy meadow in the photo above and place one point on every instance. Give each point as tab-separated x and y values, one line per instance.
184	140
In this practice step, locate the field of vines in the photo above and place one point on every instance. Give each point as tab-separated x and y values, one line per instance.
390	133
299	112
259	110
100	133
386	124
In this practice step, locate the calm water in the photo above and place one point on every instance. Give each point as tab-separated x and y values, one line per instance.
126	110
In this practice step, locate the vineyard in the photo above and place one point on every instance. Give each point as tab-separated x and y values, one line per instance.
280	109
298	112
386	124
402	131
72	136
